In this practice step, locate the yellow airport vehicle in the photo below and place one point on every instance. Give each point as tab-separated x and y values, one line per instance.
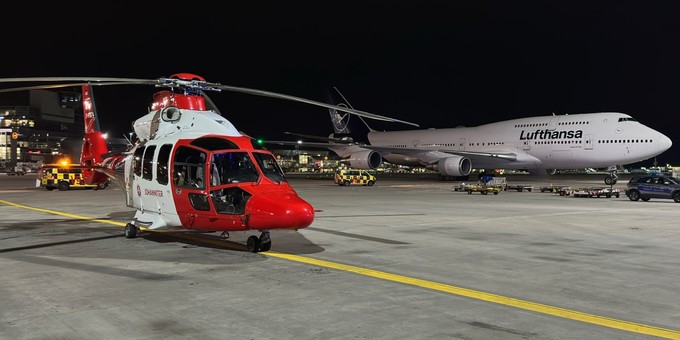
65	177
347	177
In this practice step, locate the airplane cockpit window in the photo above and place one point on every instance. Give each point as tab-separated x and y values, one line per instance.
232	167
270	167
189	168
627	119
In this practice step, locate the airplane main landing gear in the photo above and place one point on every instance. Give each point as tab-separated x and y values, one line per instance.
256	244
131	230
611	179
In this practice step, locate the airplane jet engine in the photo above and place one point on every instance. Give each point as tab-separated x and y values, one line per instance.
367	159
453	166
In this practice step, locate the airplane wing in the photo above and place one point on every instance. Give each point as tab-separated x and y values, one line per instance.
510	156
330	139
433	156
324	145
424	156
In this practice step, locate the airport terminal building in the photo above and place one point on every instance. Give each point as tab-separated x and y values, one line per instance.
39	126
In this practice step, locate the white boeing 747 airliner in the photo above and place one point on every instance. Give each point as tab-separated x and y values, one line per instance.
544	143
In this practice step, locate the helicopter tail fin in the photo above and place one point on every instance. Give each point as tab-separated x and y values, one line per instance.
94	144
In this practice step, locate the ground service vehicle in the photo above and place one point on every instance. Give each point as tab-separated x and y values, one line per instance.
596	192
65	177
17	171
354	177
653	186
481	188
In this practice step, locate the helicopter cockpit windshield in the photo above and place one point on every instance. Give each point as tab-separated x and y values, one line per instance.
238	167
269	167
232	167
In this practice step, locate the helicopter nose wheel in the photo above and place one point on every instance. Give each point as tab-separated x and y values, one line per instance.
130	230
256	244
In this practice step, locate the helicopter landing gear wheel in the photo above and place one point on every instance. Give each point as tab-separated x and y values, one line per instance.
130	230
265	241
224	235
253	244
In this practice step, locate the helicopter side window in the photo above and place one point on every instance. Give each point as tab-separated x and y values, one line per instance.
147	162
189	168
137	161
162	164
230	200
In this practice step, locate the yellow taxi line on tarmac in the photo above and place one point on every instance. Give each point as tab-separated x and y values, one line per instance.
54	212
499	299
474	294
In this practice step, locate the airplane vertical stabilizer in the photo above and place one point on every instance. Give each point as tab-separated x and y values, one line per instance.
346	124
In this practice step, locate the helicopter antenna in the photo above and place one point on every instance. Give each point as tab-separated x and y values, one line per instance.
128	139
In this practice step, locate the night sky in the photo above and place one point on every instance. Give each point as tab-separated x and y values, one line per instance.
436	63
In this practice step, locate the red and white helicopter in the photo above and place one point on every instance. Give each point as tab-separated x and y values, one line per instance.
190	168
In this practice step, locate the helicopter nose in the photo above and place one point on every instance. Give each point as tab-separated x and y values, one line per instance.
279	210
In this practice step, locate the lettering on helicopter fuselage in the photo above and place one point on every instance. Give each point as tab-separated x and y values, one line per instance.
157	193
547	134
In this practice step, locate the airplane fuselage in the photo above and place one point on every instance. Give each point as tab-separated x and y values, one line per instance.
547	142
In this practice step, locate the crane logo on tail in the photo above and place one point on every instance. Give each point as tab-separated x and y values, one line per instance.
340	120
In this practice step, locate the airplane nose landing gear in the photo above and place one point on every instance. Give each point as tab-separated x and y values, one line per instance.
263	243
612	177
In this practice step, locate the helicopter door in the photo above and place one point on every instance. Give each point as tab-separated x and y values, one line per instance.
146	189
189	187
229	172
134	194
155	198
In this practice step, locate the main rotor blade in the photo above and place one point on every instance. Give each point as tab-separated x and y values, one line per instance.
173	82
58	86
311	102
87	79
